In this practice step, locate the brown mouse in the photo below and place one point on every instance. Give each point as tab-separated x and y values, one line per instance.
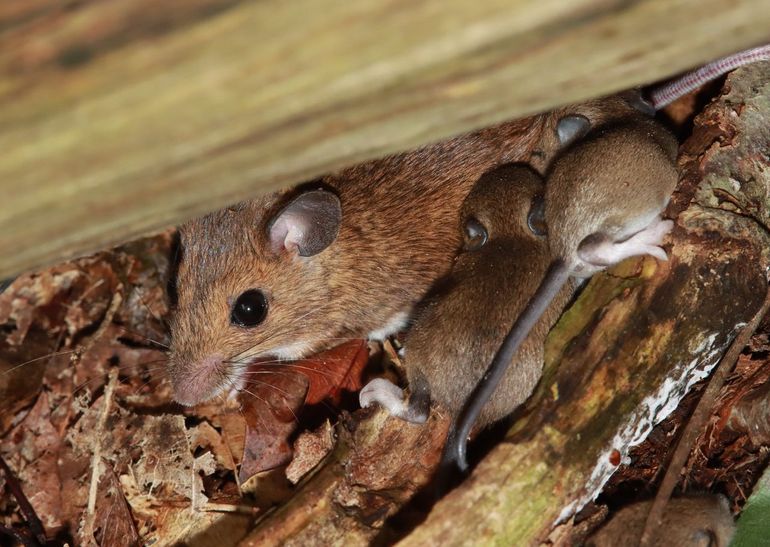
702	521
285	275
603	198
458	329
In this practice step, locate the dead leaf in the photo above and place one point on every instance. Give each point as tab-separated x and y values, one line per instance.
34	456
272	403
114	524
310	449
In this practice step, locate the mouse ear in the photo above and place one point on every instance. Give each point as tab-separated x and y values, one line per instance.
569	128
637	100
308	224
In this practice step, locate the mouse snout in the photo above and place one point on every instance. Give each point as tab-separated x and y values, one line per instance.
196	382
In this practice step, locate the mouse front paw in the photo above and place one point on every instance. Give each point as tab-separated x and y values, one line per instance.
600	252
391	398
649	240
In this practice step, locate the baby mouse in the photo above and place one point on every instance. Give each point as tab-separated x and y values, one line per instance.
698	521
458	329
603	199
285	275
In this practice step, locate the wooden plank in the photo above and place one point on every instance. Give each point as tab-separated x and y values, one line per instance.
117	118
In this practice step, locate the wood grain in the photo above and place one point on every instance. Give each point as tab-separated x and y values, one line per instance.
118	117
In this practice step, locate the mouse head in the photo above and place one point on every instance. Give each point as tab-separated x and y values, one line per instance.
246	273
505	202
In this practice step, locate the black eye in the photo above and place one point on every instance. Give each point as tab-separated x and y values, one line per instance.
250	309
475	235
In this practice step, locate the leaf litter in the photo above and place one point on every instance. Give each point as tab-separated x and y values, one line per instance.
89	426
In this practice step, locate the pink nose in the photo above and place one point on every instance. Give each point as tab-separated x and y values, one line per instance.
197	382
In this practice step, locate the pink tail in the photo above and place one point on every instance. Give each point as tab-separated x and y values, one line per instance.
668	93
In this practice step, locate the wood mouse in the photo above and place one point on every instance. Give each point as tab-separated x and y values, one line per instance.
458	329
703	521
603	198
285	275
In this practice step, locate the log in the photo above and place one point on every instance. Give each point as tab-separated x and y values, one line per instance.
637	338
118	118
376	467
618	361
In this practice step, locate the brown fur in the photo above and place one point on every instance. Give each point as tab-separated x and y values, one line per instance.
458	331
623	170
398	234
703	521
599	112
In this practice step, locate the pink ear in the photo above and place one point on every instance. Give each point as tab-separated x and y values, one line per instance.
307	225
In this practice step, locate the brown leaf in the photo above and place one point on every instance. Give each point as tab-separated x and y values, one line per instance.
34	456
270	420
271	405
335	371
114	524
21	375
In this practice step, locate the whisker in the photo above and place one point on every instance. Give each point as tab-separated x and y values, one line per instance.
48	356
257	383
324	373
137	289
71	394
100	377
135	333
264	424
292	327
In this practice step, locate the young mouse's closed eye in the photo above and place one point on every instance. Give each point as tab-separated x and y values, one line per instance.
475	233
536	216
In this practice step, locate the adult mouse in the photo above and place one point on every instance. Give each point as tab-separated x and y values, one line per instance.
458	329
603	199
698	521
285	275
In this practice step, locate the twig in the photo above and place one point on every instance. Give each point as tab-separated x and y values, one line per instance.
22	536
229	508
96	459
33	521
117	300
697	422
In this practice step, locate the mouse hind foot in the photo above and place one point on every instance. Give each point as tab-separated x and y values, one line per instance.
391	398
600	251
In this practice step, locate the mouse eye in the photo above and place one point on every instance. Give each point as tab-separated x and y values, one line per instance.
475	235
536	217
250	309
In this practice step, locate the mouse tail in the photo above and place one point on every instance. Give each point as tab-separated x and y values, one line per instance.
667	93
456	446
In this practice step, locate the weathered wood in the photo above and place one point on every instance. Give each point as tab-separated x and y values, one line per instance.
376	467
120	117
623	354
